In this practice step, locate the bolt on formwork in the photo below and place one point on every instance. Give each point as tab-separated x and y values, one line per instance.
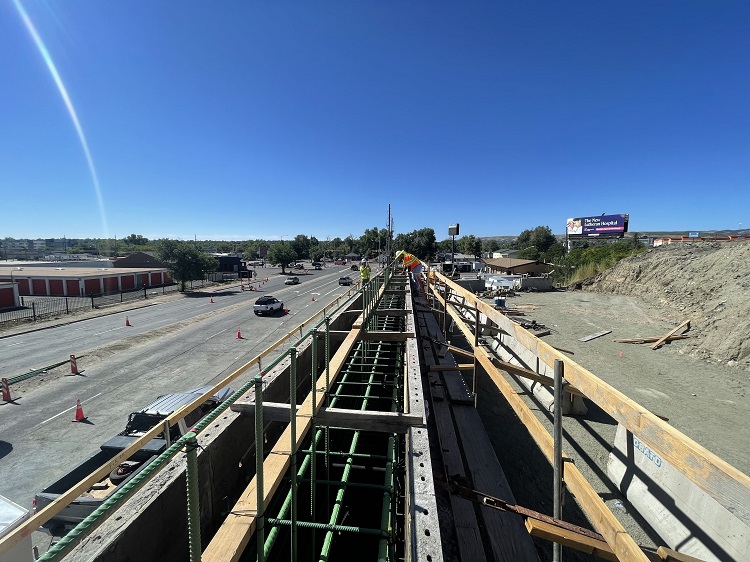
344	491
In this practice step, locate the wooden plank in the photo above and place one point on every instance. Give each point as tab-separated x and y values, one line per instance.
368	420
569	539
722	481
456	386
460	367
594	336
532	375
669	555
468	535
650	340
386	336
507	536
685	324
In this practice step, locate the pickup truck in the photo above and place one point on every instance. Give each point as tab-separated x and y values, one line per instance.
138	424
267	305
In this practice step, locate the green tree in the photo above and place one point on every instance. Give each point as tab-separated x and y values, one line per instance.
420	243
283	254
184	261
301	246
135	240
470	245
490	245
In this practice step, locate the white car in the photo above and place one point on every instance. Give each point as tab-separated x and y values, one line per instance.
292	281
267	305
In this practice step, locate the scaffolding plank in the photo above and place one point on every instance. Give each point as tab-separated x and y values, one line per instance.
509	539
367	420
465	521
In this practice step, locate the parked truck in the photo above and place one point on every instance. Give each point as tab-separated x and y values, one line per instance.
137	425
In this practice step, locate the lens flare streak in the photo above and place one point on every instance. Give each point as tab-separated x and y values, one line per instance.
68	104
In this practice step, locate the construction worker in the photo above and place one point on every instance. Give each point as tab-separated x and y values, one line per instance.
364	271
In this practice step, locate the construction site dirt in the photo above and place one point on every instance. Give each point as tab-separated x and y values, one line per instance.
698	387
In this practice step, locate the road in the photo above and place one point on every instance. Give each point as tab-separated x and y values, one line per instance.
172	345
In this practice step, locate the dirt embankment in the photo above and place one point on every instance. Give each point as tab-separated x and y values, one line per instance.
706	282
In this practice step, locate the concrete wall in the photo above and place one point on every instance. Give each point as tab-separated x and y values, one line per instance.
686	517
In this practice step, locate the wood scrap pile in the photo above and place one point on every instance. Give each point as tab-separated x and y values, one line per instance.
497	292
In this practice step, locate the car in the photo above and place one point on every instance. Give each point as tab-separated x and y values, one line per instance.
298	266
340	262
291	281
355	267
317	265
345	280
267	304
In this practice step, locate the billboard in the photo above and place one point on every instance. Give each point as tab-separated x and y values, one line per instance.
604	226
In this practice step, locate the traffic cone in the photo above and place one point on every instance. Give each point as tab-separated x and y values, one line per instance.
239	335
127	322
79	412
313	298
73	365
6	391
212	300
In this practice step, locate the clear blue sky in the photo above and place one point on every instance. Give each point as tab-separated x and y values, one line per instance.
245	119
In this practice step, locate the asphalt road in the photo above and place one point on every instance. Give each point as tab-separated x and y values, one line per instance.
174	344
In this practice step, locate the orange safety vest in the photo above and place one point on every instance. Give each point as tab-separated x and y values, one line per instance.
410	261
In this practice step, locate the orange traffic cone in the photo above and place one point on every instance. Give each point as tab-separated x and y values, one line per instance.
79	412
239	336
313	298
6	391
74	365
212	300
127	322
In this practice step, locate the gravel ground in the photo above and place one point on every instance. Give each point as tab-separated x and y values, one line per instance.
700	388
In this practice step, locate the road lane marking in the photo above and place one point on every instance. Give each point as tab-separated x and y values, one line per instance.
69	409
216	334
12	344
112	330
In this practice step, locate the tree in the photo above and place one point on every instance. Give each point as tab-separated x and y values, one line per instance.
135	240
283	254
471	245
301	246
420	243
491	245
184	261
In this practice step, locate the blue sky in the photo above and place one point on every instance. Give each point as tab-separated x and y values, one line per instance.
241	119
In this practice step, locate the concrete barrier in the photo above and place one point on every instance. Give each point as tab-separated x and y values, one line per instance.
687	519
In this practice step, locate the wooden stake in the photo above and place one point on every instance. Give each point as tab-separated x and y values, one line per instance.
685	324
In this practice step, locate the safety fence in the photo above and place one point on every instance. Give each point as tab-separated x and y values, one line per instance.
33	309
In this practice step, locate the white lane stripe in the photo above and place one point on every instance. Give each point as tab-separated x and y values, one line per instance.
12	344
112	330
69	409
216	334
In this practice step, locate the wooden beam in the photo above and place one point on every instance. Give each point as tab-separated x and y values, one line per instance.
727	485
594	336
685	324
529	374
386	336
577	541
367	420
650	340
669	555
459	367
569	539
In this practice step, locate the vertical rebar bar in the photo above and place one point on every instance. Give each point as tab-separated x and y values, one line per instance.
558	461
259	529
194	512
293	446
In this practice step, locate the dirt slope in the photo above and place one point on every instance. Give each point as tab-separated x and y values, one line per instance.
706	282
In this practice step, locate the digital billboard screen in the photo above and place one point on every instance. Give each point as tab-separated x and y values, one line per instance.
602	226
